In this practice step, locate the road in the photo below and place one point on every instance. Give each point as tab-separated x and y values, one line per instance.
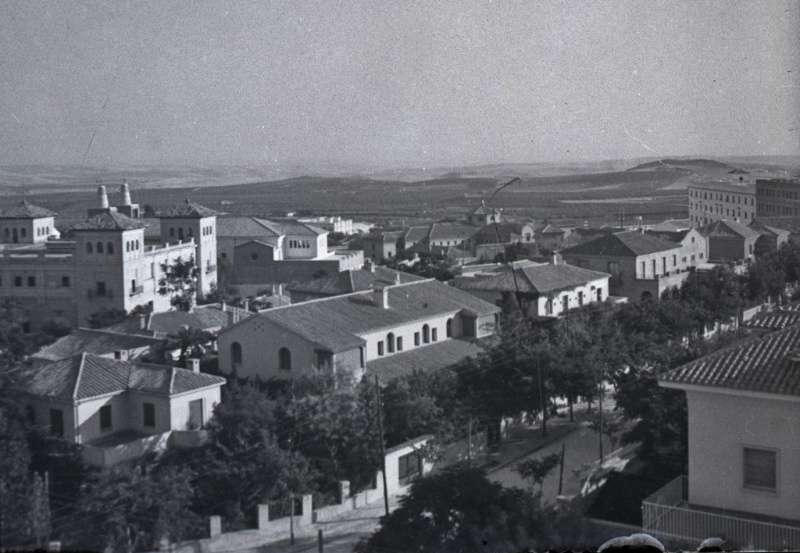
581	448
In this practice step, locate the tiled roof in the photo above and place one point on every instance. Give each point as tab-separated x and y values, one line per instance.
152	227
358	280
728	228
437	356
551	229
187	210
110	220
25	210
203	317
450	231
385	237
625	244
507	231
673	225
231	227
675	236
99	342
775	320
296	228
482	210
85	376
538	279
415	234
336	323
768	364
763	229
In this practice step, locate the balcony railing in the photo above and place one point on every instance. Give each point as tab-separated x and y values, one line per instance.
95	294
667	515
136	290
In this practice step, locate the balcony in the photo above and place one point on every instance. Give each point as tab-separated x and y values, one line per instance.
97	294
667	515
136	290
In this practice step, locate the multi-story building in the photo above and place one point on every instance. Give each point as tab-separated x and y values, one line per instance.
387	331
493	238
778	197
26	224
346	282
105	263
189	221
640	265
331	224
730	241
483	215
712	201
742	484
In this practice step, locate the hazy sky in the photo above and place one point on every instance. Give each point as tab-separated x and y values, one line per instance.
401	83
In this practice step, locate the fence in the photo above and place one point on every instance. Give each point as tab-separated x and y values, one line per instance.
665	514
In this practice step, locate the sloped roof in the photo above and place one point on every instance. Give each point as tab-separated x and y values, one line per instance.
232	227
85	376
26	210
202	317
676	236
768	364
336	323
450	231
672	225
551	229
110	220
505	230
624	244
296	228
774	320
436	356
187	210
482	210
728	228
415	234
152	227
536	279
99	342
763	229
357	280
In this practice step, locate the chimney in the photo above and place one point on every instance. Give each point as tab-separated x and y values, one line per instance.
246	305
381	297
142	321
193	364
397	277
554	258
101	191
369	265
126	194
121	355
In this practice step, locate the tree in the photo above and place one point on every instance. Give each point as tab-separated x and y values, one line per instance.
179	282
188	341
536	470
461	510
106	317
132	508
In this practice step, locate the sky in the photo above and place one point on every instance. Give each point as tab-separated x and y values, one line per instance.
395	84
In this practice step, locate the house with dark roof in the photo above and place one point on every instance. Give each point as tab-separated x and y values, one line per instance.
380	246
211	318
118	410
26	223
357	331
483	215
771	238
744	454
346	282
641	265
730	241
493	238
103	343
545	290
550	236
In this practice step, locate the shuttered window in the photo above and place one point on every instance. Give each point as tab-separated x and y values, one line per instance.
760	469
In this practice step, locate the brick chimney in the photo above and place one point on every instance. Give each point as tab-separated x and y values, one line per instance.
381	297
193	364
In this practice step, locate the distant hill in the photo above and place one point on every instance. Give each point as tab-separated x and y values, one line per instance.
687	165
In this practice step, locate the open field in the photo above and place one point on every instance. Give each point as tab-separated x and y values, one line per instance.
654	191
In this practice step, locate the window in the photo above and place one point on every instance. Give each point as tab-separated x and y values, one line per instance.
448	328
399	343
127	246
599	294
390	342
172	232
196	419
236	353
17	281
408	468
109	247
674	260
24	232
105	417
30	414
65	281
426	334
149	414
760	469
99	247
580	298
31	281
285	359
416	338
380	347
434	334
89	247
56	423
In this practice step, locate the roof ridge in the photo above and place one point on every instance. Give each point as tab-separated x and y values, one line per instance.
171	380
78	377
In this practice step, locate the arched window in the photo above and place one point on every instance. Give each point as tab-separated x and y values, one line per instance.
172	231
99	247
89	247
390	342
24	232
236	353
448	328
189	231
180	233
137	246
284	359
426	334
109	247
127	246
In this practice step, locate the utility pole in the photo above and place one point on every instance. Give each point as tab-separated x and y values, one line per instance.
469	443
541	398
561	471
600	413
291	518
383	446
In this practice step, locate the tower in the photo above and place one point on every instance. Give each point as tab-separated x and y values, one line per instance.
127	207
189	221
